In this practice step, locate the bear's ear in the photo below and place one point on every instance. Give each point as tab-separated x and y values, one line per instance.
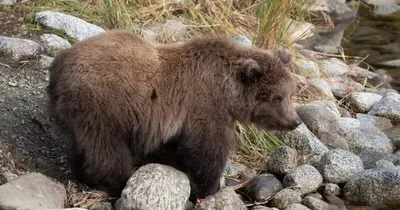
249	71
284	55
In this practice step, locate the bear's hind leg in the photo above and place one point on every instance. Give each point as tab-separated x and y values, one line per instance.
104	163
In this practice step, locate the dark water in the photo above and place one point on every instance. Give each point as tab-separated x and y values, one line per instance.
378	37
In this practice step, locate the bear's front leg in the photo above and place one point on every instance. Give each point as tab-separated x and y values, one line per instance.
204	153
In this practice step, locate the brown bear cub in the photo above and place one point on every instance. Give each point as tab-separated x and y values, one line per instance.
125	102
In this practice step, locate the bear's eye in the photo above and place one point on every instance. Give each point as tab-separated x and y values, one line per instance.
277	98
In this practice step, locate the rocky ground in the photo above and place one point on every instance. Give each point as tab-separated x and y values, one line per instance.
344	156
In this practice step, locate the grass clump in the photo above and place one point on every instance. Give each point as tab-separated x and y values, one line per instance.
253	144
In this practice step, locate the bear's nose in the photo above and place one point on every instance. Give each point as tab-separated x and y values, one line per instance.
296	122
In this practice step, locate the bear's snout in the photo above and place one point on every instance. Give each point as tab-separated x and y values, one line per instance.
296	122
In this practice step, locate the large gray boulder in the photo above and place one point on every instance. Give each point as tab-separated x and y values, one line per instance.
334	67
337	166
285	198
369	158
379	122
18	48
32	191
283	160
321	117
53	42
155	186
379	188
73	26
304	179
336	9
304	141
388	106
363	136
363	101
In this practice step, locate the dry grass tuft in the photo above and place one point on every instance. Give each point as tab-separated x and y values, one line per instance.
79	198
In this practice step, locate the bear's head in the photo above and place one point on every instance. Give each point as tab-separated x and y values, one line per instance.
267	87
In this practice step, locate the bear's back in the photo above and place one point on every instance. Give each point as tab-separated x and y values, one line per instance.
112	61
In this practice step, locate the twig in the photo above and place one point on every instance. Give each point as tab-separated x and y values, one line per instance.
5	65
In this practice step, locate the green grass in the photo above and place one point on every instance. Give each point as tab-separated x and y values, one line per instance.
253	144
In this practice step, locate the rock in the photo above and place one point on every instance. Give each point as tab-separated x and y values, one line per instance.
309	68
379	122
233	169
331	188
386	9
282	161
240	171
304	179
317	204
156	186
321	117
45	61
394	135
170	29
379	188
225	199
102	206
338	165
32	191
53	42
388	106
149	35
263	187
369	158
9	176
316	195
73	26
363	136
285	198
334	67
375	79
341	87
18	48
336	9
230	182
383	164
323	86
381	2
303	140
327	49
362	102
380	91
242	40
298	31
248	174
297	206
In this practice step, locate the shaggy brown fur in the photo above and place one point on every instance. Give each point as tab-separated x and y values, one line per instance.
125	102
